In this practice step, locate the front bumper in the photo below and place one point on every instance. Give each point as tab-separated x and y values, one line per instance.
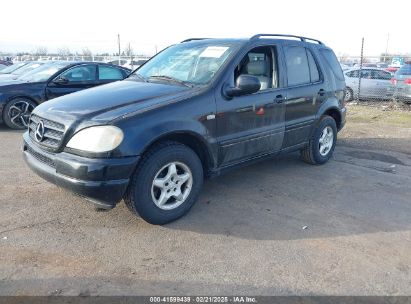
102	181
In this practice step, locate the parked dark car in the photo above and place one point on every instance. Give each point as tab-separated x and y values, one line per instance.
16	73
11	68
194	110
4	64
19	97
402	83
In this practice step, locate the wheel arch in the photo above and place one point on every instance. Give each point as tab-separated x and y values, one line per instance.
22	96
192	140
336	115
331	108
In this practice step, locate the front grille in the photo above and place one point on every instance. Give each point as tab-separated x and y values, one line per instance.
53	133
40	157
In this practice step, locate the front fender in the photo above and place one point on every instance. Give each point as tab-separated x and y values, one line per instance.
140	138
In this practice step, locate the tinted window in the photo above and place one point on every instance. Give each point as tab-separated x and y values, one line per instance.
353	74
366	74
314	74
381	75
298	71
81	73
332	63
110	73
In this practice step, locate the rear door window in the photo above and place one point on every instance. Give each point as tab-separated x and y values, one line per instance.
298	71
110	73
314	74
381	75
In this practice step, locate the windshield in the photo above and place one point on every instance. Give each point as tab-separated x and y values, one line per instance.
186	63
27	68
44	72
13	67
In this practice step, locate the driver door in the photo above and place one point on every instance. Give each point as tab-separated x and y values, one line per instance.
252	125
72	80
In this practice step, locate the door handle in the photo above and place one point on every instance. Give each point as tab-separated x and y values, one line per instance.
321	92
279	99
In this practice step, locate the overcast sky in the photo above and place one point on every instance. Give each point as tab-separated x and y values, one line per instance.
76	24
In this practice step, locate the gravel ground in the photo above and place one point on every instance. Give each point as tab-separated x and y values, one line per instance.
244	236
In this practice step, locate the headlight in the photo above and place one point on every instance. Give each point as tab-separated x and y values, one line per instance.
97	139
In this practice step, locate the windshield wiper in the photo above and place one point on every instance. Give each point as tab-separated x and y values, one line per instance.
172	79
138	76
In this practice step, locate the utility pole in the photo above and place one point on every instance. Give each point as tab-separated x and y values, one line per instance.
386	47
360	71
119	49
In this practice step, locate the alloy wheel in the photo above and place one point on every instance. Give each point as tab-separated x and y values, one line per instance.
19	113
171	185
326	141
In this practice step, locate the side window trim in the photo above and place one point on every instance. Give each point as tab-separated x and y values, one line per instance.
320	73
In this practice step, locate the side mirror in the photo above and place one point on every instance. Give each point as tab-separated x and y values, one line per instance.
245	84
60	80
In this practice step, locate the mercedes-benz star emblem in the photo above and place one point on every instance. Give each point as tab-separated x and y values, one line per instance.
39	131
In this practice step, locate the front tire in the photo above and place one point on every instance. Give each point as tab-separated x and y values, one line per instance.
348	94
166	183
321	145
17	112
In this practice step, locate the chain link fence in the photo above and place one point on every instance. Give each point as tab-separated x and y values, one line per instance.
377	78
126	61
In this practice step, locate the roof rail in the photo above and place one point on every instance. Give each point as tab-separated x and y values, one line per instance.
304	39
192	39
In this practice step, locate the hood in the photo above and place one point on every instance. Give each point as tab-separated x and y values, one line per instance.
110	101
6	80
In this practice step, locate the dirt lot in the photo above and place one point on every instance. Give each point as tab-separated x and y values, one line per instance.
244	236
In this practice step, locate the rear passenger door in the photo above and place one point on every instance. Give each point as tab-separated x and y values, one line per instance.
107	74
383	86
305	92
368	83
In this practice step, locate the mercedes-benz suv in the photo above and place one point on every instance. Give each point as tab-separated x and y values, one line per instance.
195	110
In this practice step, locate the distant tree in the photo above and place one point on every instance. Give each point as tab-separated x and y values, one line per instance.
86	52
64	51
344	57
128	50
40	51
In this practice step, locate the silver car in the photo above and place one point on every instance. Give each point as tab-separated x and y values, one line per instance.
375	84
402	82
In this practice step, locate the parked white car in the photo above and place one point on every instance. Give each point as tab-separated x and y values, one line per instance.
375	84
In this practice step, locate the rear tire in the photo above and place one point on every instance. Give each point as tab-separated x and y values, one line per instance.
166	183
321	145
17	112
349	94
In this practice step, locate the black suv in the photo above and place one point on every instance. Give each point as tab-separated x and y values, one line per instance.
196	109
